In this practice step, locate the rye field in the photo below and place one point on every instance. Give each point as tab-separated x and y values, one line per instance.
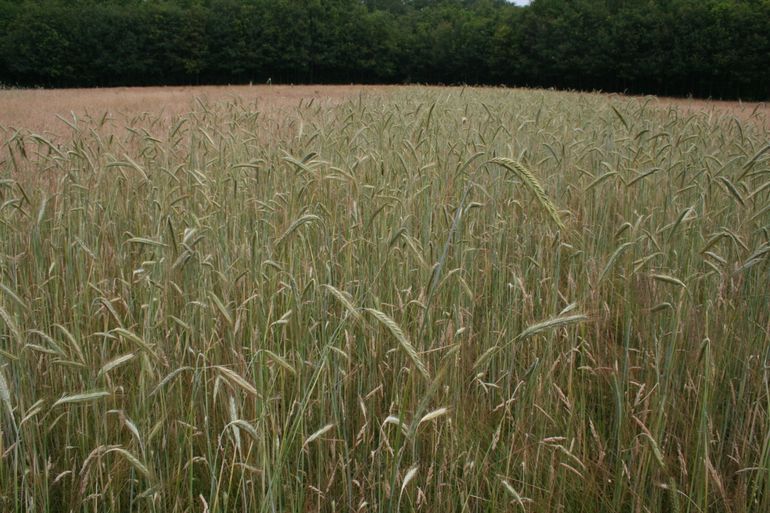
412	299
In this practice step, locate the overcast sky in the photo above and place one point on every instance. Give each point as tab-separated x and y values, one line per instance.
519	2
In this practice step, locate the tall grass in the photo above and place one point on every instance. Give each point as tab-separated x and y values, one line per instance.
434	300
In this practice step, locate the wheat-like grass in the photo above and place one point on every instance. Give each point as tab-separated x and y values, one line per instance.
416	299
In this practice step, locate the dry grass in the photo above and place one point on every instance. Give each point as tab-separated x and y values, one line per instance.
37	110
757	112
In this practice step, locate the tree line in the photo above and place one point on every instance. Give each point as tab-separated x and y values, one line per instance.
705	48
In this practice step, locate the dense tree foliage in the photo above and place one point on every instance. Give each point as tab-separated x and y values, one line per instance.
710	48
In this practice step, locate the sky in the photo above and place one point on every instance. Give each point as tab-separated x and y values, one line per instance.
520	2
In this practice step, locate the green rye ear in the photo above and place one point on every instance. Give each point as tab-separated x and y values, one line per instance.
533	184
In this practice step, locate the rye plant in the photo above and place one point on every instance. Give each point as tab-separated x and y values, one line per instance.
420	300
